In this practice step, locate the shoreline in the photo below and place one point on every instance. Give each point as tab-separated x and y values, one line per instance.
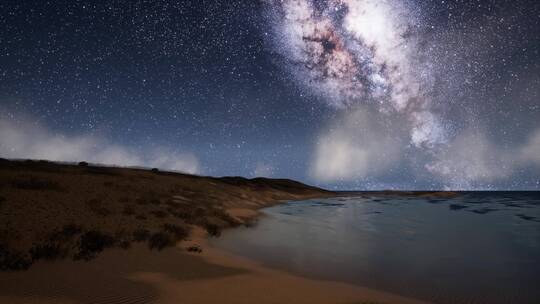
139	275
288	287
42	209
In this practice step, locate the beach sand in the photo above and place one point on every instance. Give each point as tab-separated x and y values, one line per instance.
139	275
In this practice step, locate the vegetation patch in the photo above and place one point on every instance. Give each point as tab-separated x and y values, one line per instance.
141	235
96	206
93	242
129	210
121	205
33	183
159	213
10	261
179	232
160	240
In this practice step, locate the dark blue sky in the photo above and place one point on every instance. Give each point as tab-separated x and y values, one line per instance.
213	79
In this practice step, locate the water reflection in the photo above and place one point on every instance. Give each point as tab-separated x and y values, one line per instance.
472	248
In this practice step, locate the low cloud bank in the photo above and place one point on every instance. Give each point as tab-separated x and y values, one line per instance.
364	146
472	160
469	159
23	139
263	170
531	151
358	145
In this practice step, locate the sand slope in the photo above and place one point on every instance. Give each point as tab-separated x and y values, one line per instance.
139	275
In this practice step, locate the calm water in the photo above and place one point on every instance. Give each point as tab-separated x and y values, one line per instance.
473	248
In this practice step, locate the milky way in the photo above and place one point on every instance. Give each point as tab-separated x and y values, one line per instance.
360	51
363	94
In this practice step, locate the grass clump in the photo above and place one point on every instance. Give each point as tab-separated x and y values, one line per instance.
160	240
96	206
13	261
159	213
179	232
34	183
168	237
93	242
128	210
141	235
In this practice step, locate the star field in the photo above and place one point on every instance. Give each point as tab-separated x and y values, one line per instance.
226	82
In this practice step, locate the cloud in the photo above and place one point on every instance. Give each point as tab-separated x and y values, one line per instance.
530	152
359	145
473	161
471	158
24	139
367	146
263	170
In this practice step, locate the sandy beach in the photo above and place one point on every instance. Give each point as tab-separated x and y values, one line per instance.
139	275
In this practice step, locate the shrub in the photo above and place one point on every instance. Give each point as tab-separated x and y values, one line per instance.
70	230
96	207
83	164
212	229
92	243
147	198
159	213
35	184
179	232
124	244
140	235
13	260
155	170
141	217
173	204
48	251
128	210
194	248
160	240
141	201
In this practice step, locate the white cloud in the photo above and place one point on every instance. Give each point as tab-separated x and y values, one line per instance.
263	170
22	139
530	152
471	159
358	146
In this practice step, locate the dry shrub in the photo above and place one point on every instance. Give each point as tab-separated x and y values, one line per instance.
108	184
11	261
129	210
160	240
93	242
179	232
159	213
96	206
34	183
141	217
141	235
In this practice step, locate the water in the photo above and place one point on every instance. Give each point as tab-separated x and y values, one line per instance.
481	247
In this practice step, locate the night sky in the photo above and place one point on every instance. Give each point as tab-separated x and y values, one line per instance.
347	94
